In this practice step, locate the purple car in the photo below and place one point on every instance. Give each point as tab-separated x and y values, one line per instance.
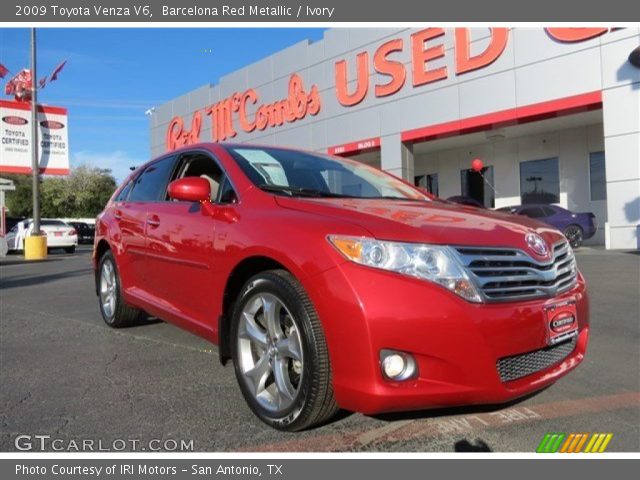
575	226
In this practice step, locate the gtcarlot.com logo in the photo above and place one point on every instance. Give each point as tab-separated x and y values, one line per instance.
44	443
574	443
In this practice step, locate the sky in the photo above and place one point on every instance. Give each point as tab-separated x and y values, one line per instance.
113	76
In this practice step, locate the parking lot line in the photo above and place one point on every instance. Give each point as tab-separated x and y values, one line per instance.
433	427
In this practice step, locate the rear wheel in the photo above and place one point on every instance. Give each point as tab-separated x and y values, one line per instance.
71	249
280	354
574	235
115	312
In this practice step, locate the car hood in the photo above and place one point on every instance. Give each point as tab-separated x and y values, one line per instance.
428	222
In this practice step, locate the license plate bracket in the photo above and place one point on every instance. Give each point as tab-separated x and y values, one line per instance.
561	320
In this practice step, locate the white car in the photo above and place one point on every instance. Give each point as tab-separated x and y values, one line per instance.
59	234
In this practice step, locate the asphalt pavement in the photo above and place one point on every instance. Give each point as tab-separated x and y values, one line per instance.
66	376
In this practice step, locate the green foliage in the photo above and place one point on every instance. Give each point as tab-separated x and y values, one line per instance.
19	201
83	193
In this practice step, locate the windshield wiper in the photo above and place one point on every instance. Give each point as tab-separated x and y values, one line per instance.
405	199
300	191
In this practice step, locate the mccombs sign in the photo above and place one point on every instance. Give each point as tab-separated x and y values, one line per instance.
244	110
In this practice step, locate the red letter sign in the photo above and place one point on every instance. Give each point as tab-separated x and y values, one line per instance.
465	62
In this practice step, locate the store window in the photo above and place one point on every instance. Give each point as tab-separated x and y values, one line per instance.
428	182
478	186
540	181
597	176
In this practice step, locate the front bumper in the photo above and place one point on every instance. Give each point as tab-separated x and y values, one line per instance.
456	344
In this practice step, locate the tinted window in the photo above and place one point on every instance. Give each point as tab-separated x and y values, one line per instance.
52	223
540	181
533	212
124	193
429	182
548	211
597	176
151	185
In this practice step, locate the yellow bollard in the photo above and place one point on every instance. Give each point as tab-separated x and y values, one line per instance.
35	247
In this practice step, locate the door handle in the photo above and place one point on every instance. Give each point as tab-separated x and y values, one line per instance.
153	221
117	215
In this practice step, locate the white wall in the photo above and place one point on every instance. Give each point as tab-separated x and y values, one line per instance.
571	146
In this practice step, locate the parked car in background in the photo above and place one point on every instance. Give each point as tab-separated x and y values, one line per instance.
462	200
59	234
86	232
331	284
577	227
11	222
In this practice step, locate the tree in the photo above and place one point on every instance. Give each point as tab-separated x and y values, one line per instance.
92	188
19	201
83	193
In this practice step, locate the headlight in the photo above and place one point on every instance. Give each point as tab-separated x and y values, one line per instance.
434	263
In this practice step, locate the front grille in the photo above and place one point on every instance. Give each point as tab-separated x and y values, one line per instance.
506	274
518	366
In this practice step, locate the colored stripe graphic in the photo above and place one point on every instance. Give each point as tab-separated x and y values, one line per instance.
573	443
598	443
550	443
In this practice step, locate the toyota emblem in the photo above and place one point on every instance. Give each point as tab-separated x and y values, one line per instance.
537	244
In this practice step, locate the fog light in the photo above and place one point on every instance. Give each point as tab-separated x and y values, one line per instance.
397	365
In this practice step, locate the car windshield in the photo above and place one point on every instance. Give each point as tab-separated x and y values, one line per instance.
296	173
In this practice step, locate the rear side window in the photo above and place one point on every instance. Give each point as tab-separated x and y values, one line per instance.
124	193
150	186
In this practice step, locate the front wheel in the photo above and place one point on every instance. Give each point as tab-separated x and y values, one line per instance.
574	235
280	354
115	312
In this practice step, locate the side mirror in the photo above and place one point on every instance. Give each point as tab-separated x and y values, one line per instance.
190	189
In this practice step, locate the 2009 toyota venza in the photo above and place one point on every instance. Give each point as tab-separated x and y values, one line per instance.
331	284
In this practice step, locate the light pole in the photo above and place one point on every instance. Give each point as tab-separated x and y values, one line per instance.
35	167
35	245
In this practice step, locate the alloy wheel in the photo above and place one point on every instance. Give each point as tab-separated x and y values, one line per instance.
270	352
108	288
574	235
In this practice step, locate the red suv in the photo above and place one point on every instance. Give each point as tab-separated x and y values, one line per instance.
331	284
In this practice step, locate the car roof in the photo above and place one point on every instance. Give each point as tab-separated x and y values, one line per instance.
210	146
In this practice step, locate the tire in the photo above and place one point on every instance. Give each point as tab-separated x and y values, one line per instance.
575	235
292	393
71	249
115	312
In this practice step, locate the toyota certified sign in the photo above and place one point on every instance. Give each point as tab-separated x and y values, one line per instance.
16	140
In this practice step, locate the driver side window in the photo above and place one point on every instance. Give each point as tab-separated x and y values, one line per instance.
201	165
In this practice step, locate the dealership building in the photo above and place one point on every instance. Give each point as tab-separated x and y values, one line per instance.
554	114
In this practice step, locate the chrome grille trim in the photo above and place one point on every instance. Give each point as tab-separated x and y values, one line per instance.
519	366
509	274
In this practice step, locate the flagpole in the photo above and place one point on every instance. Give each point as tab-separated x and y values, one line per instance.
35	168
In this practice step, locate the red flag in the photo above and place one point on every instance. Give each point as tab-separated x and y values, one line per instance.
56	71
3	71
42	82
